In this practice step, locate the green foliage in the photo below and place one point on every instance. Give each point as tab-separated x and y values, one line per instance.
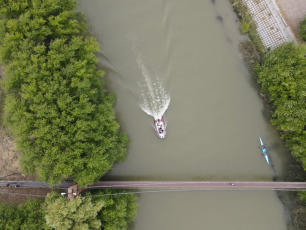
57	212
302	196
55	104
77	213
248	24
244	27
302	29
34	22
283	78
118	210
26	216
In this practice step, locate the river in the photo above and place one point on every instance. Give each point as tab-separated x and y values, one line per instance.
183	57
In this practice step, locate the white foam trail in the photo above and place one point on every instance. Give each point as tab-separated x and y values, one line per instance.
154	99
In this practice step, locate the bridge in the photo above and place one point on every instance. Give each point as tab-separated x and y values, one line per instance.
245	185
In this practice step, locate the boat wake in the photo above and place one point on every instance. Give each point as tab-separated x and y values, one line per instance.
154	99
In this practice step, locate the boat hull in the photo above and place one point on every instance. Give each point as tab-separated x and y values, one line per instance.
264	151
160	127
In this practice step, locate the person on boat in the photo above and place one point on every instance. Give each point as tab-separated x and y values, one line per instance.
160	130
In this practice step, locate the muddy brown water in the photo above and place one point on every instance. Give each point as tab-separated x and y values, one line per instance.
214	118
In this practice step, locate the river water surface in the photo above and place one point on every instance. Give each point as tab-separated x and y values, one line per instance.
183	56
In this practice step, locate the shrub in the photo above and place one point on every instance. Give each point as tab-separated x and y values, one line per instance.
244	27
76	213
26	216
119	208
302	29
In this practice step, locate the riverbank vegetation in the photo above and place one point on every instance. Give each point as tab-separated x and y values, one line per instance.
120	208
247	24
302	30
56	103
24	216
103	209
282	78
76	213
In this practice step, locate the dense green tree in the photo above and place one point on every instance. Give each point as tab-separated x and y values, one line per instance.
302	29
56	104
119	208
26	216
282	76
108	209
77	213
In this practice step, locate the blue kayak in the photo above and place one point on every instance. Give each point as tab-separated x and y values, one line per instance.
264	151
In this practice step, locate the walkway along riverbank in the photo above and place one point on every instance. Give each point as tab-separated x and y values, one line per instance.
271	26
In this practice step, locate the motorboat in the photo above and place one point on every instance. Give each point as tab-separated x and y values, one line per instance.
160	127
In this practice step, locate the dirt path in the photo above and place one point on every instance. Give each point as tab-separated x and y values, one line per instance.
9	156
293	11
9	162
20	195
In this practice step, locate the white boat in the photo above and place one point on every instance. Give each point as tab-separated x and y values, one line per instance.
160	127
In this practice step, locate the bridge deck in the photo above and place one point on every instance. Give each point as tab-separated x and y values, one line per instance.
168	185
199	184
